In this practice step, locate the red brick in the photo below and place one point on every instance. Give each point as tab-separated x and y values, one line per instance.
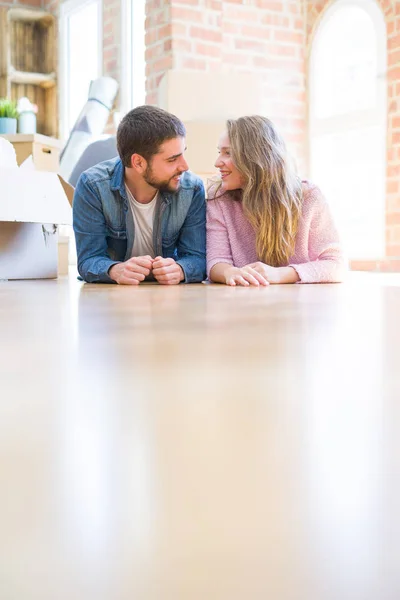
394	42
164	31
253	46
393	219
110	66
393	203
393	171
187	14
276	50
288	36
394	74
270	5
154	51
194	63
214	4
181	46
208	50
393	250
256	32
110	53
228	27
236	59
274	19
243	15
394	58
205	34
295	7
178	29
161	64
392	186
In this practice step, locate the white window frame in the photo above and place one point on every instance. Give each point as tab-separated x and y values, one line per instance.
132	89
67	8
355	119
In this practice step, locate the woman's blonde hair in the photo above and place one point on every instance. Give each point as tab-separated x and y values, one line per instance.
272	192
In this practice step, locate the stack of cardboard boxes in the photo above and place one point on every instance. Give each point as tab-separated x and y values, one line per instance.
33	204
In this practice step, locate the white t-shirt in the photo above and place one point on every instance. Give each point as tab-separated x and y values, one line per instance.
143	218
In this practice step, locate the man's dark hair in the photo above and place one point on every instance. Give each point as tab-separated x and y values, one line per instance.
144	129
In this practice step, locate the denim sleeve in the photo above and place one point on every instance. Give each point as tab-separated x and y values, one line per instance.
191	247
90	234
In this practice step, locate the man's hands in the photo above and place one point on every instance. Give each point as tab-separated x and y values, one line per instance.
133	271
167	271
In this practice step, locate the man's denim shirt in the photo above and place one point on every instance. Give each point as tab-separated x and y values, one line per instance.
104	227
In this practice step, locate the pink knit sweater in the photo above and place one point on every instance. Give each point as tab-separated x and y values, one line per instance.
317	257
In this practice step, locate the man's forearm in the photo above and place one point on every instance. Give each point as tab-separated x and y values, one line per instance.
96	269
193	267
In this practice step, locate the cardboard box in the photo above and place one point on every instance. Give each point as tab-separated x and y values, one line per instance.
32	206
45	150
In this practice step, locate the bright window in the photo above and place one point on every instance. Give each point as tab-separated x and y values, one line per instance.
348	121
81	56
133	90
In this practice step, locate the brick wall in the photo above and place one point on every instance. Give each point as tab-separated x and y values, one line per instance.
262	36
391	10
159	49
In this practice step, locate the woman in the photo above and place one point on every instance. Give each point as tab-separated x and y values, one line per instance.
265	225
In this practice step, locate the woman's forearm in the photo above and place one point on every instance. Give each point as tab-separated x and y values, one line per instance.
219	271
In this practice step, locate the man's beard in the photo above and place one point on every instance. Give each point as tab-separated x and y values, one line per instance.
163	185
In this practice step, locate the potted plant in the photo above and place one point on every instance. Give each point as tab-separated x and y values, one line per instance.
8	116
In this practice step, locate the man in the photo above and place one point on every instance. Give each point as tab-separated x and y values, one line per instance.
142	214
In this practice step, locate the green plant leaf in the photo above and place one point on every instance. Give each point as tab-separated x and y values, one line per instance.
8	109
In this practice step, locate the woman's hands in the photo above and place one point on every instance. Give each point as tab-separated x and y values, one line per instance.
276	274
244	276
255	274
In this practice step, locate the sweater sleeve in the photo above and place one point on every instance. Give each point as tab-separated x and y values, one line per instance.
218	245
327	264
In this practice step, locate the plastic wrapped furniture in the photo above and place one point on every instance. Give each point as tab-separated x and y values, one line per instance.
90	123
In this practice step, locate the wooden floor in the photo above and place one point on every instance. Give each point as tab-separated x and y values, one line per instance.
200	442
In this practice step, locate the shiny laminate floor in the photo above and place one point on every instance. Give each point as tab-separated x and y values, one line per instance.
200	442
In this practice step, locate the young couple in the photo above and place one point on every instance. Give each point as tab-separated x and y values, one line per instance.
143	215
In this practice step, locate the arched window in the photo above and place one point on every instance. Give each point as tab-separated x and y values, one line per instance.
348	121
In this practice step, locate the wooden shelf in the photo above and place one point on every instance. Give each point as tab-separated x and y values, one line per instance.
28	14
45	80
28	62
